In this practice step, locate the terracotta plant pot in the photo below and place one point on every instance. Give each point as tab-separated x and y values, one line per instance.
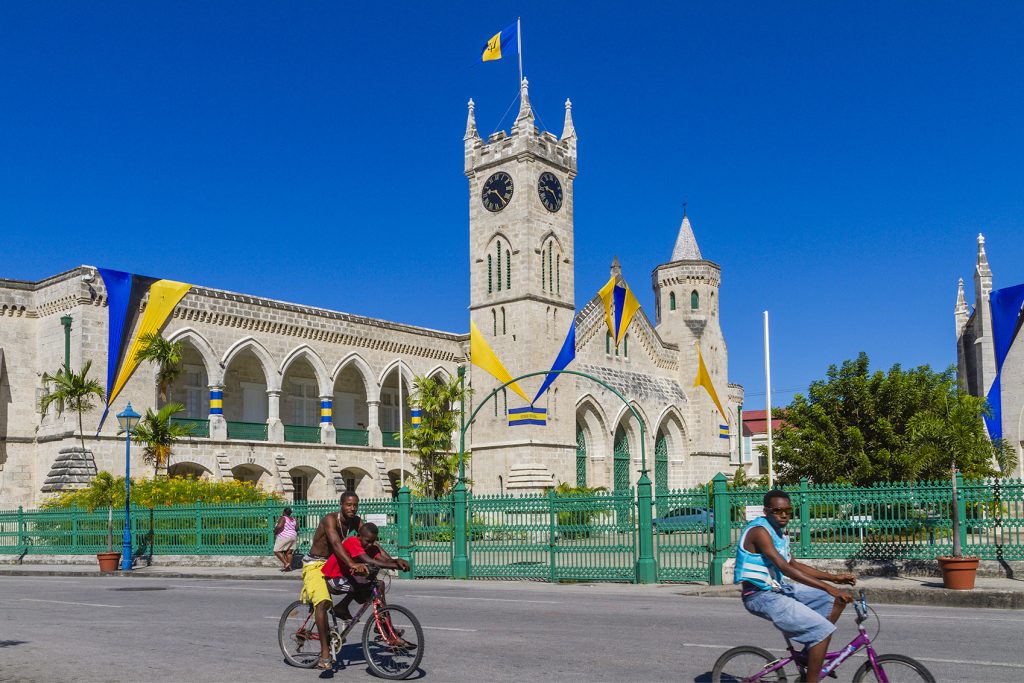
109	562
958	572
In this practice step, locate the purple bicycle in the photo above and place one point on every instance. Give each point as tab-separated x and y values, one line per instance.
748	664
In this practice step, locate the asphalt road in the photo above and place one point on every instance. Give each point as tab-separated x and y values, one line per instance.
142	629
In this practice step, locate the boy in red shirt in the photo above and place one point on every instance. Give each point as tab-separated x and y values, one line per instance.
363	548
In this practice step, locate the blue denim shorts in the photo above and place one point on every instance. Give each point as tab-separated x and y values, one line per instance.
799	611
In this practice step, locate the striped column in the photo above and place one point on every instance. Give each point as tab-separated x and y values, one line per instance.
216	401
326	411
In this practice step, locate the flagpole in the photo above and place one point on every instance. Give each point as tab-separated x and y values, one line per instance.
768	401
401	429
519	44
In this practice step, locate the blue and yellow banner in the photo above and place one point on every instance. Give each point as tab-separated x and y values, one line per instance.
620	305
416	417
503	43
565	356
704	380
529	415
723	431
1007	320
125	292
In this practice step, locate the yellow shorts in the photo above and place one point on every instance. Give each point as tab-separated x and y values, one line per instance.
314	584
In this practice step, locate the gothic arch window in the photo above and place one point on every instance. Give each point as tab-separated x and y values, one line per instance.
558	276
504	329
543	272
551	267
490	276
712	306
671	295
694	300
608	342
508	269
499	264
494	323
625	346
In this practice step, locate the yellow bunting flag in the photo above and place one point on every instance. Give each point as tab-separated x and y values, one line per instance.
164	295
704	380
606	293
481	355
625	306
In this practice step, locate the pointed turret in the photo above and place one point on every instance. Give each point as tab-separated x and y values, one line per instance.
471	132
568	131
982	266
524	121
686	248
986	358
961	310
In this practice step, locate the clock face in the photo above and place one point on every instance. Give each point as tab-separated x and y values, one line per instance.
497	192
550	191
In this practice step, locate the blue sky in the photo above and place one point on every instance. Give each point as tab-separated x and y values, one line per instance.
838	159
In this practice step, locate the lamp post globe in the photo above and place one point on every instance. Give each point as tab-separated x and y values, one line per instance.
127	418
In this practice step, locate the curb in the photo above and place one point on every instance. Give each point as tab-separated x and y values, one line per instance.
143	574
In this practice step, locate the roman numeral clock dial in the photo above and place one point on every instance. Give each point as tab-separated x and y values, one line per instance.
550	191
497	192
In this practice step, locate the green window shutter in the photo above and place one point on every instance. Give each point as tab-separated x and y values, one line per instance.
490	281
508	269
694	300
671	297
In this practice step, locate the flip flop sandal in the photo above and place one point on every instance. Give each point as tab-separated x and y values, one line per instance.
325	663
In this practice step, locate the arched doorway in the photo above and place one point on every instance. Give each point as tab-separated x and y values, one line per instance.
188	470
246	403
252	474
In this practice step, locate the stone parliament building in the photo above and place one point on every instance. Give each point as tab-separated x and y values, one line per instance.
274	363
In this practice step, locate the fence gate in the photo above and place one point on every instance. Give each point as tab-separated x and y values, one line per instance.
591	543
510	537
433	536
683	535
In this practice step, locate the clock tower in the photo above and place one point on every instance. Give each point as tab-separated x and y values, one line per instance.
521	294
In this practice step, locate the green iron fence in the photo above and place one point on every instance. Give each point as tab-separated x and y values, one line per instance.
573	537
351	437
301	434
200	427
250	431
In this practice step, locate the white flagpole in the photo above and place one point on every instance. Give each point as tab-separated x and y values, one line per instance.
519	44
768	401
401	429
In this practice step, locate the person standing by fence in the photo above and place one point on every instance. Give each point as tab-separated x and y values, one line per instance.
286	537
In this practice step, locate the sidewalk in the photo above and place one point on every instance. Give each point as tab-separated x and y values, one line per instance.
996	593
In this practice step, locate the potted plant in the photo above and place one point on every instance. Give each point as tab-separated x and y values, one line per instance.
958	572
101	493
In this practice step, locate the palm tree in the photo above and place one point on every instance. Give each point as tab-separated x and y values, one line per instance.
103	492
71	390
157	433
167	356
437	466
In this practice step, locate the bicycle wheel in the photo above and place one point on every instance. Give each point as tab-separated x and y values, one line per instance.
897	668
297	635
386	628
742	664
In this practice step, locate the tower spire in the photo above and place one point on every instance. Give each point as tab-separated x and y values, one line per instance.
568	131
471	131
616	269
524	121
686	248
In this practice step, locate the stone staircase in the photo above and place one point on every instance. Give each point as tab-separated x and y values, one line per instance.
73	469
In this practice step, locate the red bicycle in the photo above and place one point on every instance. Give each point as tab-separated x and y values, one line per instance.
392	637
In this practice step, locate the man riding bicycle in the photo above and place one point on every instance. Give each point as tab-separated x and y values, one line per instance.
327	541
805	611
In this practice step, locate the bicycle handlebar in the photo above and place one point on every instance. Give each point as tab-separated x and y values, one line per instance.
861	606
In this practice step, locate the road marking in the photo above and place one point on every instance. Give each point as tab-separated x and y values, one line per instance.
238	588
1008	665
446	628
65	602
460	598
936	616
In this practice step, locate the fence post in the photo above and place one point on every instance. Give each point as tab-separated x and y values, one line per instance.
805	518
961	509
199	527
404	515
552	531
74	528
22	543
646	567
271	523
460	560
721	536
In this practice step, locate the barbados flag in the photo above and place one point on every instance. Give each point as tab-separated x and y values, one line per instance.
527	416
504	42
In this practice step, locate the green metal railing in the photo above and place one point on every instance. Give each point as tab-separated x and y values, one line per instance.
301	434
352	437
390	439
249	431
200	427
568	537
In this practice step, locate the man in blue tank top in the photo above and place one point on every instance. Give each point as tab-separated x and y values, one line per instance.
806	611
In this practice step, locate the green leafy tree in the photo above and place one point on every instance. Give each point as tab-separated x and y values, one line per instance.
167	356
68	390
157	433
436	465
860	427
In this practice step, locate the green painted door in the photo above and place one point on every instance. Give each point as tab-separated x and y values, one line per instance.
581	458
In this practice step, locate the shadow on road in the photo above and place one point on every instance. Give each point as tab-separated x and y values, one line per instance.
703	678
12	643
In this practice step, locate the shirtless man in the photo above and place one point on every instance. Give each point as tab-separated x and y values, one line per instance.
327	541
